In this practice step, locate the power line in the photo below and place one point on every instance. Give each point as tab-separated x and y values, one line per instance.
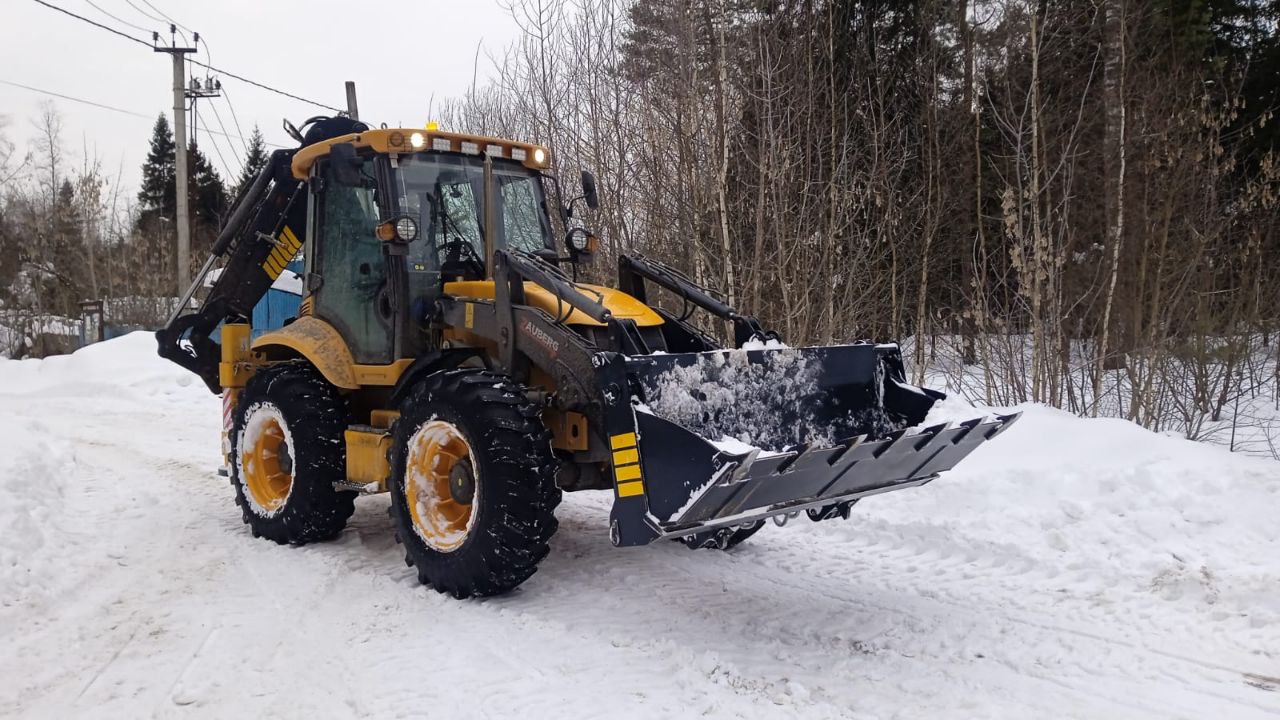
255	83
113	17
235	119
76	99
144	13
126	36
207	66
181	27
230	146
166	17
195	122
112	108
174	23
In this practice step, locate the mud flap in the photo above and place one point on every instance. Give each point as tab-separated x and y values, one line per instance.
672	481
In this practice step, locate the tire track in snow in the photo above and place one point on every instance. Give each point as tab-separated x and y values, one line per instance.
810	624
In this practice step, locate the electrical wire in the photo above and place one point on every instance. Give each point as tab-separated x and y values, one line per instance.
126	36
228	136
142	12
112	108
122	21
235	119
195	132
166	17
255	83
76	99
207	66
173	23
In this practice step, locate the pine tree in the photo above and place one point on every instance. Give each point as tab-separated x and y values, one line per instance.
254	161
207	198
158	174
208	194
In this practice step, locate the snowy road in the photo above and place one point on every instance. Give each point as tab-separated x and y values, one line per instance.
1069	569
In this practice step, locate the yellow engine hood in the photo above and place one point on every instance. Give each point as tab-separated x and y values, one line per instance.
619	303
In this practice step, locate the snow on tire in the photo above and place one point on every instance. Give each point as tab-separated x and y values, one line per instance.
472	483
287	452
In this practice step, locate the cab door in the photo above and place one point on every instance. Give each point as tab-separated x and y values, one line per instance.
347	273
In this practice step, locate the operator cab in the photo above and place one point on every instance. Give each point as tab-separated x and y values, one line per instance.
380	198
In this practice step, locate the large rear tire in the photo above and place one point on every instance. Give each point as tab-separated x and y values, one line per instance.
472	483
287	451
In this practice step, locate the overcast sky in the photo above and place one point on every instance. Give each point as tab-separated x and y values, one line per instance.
400	55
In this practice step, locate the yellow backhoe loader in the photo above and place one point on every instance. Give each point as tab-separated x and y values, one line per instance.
443	354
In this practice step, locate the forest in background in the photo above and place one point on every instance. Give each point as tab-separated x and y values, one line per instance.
1065	202
70	232
1072	203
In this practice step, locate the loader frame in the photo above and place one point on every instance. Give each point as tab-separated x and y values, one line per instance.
591	384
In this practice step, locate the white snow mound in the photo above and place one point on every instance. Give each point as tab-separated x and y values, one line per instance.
1069	569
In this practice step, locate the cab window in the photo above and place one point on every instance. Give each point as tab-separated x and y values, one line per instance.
352	268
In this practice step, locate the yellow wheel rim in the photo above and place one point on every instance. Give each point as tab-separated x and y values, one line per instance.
440	485
266	461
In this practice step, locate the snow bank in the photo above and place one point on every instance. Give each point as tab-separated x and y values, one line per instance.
1070	568
43	485
1110	507
127	364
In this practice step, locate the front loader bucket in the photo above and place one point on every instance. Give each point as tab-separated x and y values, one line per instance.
731	437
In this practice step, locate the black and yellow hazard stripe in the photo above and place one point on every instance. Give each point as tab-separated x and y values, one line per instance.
286	247
627	477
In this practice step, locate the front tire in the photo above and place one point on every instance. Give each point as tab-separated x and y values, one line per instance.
287	451
472	483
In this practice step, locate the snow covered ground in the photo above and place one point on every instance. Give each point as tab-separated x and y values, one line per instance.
1071	568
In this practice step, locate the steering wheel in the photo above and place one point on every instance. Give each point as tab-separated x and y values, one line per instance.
464	251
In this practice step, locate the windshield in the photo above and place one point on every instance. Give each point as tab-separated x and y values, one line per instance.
445	193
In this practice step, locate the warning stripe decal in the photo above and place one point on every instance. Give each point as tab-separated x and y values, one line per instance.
627	476
228	410
286	248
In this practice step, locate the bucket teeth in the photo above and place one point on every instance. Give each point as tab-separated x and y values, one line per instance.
786	399
742	467
814	477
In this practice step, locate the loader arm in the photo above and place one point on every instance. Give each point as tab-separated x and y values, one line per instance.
837	421
265	229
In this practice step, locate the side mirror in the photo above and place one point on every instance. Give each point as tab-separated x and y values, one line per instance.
589	190
346	165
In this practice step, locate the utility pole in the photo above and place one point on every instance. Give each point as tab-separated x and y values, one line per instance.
353	112
178	54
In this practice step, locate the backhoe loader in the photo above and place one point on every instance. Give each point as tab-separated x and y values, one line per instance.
444	353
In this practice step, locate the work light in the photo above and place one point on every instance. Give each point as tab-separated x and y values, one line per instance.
406	229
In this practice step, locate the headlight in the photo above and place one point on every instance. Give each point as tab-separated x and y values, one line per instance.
539	155
406	229
417	140
579	240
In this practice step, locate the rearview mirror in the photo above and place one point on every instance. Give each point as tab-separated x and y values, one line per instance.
589	190
346	165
